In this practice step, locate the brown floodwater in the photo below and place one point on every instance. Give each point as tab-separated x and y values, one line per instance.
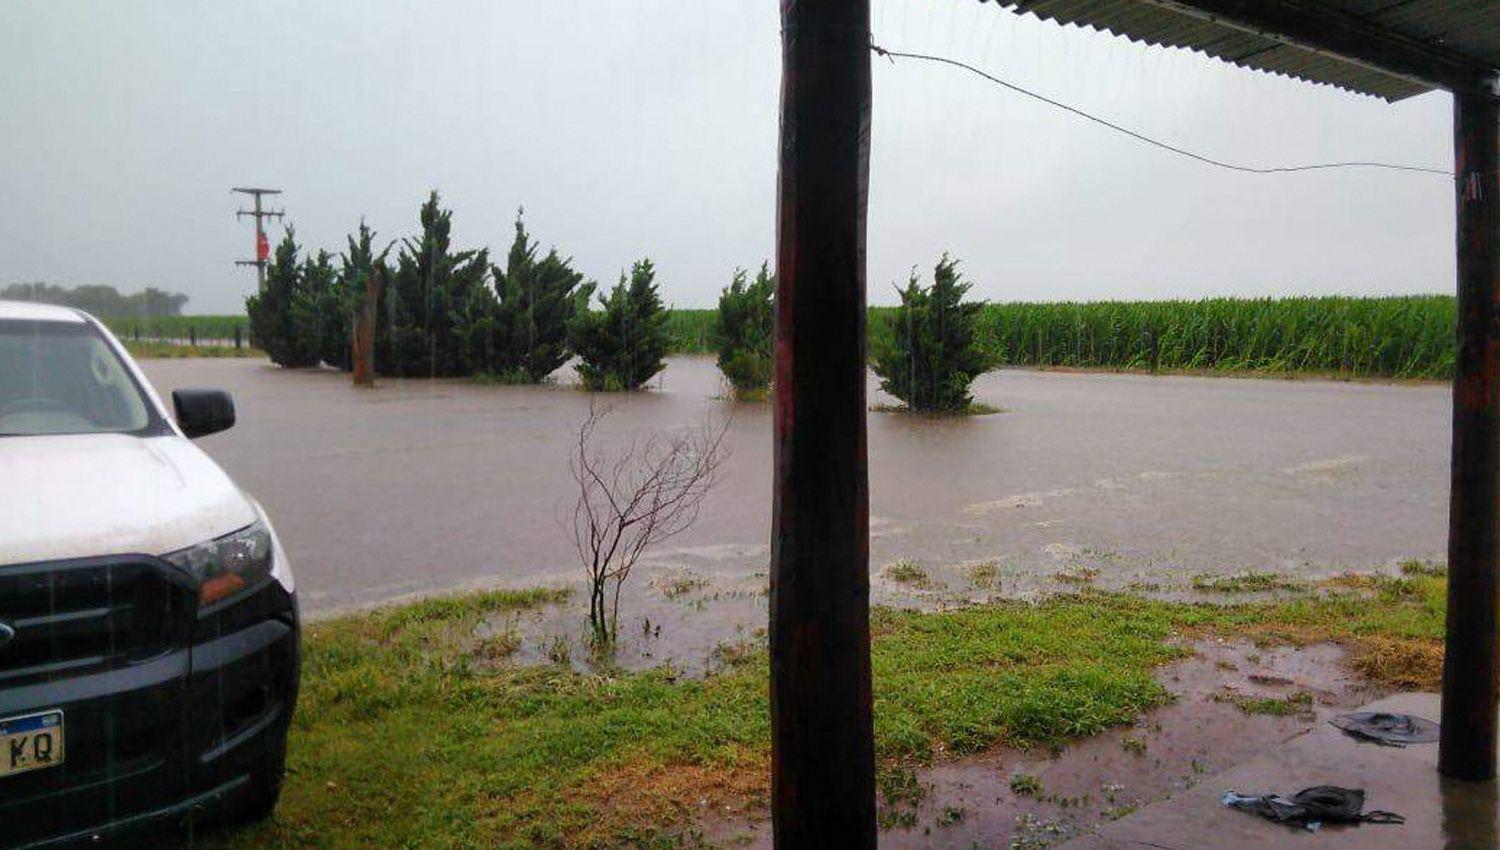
419	486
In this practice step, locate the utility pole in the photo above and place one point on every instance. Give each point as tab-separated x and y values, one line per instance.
822	731
262	247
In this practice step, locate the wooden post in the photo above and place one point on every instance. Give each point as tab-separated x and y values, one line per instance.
822	751
363	337
1469	671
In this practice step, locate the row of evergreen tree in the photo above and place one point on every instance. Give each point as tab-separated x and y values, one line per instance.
442	312
926	351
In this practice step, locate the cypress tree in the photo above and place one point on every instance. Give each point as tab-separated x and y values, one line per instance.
623	344
537	302
928	353
282	320
324	309
431	290
744	330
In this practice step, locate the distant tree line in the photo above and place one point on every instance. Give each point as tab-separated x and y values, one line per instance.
103	301
444	312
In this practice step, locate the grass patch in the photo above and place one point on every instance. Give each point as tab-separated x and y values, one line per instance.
977	408
985	575
1295	705
1424	568
681	584
1025	785
1251	582
908	573
411	734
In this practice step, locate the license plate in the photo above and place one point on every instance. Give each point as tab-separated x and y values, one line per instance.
31	742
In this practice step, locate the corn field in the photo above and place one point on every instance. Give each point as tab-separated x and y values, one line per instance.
1394	337
176	328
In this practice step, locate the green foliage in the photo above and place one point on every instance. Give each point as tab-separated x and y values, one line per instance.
101	301
744	331
526	331
930	352
282	313
326	309
622	345
431	300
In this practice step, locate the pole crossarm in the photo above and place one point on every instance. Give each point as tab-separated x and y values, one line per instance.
260	215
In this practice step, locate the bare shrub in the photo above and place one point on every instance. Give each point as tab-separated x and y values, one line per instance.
632	498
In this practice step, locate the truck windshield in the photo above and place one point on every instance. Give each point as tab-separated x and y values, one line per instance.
63	378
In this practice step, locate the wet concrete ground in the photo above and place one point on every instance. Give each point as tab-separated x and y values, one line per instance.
1440	814
422	485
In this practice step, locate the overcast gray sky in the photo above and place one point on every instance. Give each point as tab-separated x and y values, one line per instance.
649	128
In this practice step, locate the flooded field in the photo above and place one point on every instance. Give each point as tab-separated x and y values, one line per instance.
1116	480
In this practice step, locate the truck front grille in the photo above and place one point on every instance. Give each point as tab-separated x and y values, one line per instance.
73	617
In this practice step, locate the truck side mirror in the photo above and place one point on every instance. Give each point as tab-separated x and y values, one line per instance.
201	412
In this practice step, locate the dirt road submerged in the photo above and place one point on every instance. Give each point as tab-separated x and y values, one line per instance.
1125	480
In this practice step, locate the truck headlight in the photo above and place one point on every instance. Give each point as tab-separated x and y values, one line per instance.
228	564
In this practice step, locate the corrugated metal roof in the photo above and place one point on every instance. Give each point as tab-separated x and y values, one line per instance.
1465	29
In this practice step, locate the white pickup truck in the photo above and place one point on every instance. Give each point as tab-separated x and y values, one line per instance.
149	641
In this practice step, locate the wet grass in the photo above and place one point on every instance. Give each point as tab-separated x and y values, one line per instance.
1295	705
1249	582
985	575
909	573
1025	785
1424	568
977	408
412	731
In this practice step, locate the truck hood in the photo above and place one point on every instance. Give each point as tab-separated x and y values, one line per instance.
86	495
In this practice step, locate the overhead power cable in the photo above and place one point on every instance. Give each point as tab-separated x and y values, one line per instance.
1391	166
